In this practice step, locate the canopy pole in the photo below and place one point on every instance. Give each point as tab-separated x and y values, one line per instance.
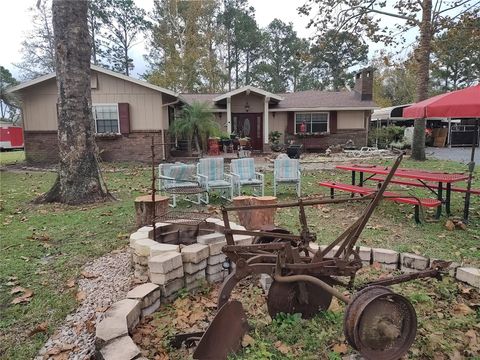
449	133
471	168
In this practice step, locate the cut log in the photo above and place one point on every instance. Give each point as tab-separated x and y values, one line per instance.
144	209
255	219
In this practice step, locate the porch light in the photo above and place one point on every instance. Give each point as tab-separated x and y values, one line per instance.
247	107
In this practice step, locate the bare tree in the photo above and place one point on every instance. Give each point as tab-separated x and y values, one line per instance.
78	179
38	49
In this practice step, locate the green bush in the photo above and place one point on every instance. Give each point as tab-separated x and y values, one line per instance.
385	136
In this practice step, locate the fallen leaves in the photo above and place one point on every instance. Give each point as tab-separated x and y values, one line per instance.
24	298
284	349
81	296
462	309
71	283
42	327
247	340
340	348
88	275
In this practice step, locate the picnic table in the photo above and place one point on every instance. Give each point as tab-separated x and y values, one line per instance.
421	178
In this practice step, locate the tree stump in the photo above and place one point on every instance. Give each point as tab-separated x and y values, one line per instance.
255	219
144	208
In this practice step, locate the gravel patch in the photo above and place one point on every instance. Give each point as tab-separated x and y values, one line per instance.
104	281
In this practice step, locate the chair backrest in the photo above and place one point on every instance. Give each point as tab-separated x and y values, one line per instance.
286	168
245	168
177	171
212	168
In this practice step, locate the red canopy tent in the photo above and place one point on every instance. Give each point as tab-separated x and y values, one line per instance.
463	103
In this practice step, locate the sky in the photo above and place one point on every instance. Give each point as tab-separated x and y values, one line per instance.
17	22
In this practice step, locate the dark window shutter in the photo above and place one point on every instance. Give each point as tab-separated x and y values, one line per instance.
124	117
290	122
333	122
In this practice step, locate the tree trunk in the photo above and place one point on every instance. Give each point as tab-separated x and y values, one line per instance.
255	219
423	61
78	179
144	209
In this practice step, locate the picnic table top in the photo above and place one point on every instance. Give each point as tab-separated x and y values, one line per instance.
443	177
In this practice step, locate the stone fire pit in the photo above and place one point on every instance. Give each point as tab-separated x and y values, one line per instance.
182	255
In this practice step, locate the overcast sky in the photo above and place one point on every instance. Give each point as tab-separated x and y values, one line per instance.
16	22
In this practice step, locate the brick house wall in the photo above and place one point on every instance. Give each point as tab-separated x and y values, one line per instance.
41	147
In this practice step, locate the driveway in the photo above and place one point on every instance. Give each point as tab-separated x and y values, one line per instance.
460	154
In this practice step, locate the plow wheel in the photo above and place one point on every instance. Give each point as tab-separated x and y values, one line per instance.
298	297
380	324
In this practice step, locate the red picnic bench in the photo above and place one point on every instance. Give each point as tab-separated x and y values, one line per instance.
389	195
417	184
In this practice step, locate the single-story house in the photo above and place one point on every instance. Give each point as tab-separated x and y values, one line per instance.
128	112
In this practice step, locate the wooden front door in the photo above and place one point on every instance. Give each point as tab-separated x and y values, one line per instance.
249	125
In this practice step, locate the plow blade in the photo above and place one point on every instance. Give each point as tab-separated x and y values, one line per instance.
225	333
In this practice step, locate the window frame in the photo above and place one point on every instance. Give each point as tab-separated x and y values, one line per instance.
311	113
95	118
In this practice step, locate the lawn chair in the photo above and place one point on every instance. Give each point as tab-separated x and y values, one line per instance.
243	172
212	176
180	180
287	171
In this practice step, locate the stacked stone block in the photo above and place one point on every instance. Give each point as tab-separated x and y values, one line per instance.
411	263
215	271
388	259
194	259
141	253
149	296
166	270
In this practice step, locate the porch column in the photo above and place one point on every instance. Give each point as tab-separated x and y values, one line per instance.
265	120
229	115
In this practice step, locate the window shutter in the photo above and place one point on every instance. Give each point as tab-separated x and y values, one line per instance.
333	122
290	122
124	117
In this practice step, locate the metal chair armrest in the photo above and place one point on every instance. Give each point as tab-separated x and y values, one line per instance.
259	176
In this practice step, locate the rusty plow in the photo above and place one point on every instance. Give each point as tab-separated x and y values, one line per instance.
378	323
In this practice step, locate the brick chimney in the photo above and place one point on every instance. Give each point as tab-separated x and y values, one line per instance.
364	84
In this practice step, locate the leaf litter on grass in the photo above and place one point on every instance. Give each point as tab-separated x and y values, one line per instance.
448	323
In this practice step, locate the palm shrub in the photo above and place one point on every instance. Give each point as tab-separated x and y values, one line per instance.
196	123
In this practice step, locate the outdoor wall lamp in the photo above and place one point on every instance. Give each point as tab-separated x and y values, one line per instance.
247	107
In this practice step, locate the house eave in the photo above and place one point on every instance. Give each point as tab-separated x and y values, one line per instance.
323	108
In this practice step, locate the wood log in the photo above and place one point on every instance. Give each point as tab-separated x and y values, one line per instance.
144	209
255	219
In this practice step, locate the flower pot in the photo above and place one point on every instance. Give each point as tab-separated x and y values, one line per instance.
213	147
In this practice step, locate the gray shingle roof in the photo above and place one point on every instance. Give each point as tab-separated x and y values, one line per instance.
302	100
315	98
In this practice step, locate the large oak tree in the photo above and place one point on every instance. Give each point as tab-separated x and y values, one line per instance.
78	179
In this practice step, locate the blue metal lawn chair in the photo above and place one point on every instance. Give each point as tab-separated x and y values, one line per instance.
211	174
287	171
243	172
180	180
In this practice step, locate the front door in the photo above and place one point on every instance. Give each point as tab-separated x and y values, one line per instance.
249	125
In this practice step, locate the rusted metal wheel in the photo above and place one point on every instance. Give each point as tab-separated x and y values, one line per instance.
380	324
298	297
270	239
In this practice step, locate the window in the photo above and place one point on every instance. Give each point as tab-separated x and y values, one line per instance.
314	122
106	118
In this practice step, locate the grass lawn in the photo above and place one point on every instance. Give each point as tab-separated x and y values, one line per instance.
12	157
42	247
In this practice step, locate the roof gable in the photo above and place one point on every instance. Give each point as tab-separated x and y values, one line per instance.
247	88
99	69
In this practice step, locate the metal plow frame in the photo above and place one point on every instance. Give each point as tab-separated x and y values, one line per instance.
304	279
